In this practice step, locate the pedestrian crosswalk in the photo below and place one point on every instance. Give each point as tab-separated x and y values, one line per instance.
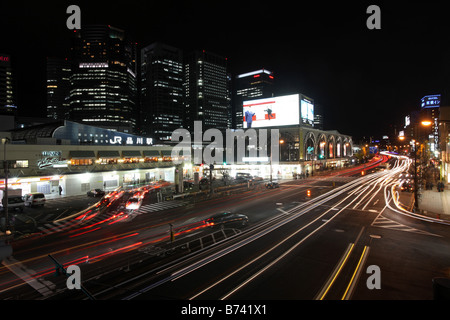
50	228
383	222
154	207
59	226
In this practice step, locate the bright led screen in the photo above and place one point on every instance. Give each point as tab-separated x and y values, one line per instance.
271	112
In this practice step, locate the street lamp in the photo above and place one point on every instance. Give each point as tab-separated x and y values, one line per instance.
424	123
281	142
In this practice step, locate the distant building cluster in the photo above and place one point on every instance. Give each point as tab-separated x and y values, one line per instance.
108	82
427	131
112	107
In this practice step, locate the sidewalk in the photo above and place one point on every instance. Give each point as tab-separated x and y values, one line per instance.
435	204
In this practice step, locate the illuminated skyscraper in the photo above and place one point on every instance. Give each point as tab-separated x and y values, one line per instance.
162	98
7	86
58	88
207	93
103	82
251	85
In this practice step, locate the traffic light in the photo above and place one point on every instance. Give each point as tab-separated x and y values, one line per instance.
308	193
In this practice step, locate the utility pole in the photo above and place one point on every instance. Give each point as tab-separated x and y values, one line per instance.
5	193
211	168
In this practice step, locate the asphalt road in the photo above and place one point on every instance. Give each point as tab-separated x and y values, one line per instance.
295	247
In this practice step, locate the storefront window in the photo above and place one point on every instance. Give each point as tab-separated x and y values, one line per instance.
21	164
130	160
108	160
81	162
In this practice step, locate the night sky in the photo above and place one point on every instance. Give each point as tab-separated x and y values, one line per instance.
365	80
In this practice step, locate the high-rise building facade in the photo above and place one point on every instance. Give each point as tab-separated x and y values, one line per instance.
103	82
58	88
251	85
207	96
8	104
162	96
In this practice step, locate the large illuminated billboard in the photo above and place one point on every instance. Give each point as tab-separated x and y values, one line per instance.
307	110
272	112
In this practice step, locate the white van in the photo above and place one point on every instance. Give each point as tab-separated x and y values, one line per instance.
34	199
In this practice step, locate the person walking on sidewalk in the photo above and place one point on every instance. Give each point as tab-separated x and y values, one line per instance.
440	186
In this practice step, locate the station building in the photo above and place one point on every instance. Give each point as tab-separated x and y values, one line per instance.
79	158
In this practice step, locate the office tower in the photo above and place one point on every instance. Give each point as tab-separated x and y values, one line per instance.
206	90
103	82
162	98
251	85
230	115
58	88
8	104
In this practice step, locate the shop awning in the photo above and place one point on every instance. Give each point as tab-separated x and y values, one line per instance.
152	153
108	154
80	154
131	154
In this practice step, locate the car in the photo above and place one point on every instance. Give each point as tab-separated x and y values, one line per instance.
96	193
227	219
407	186
134	203
272	185
243	177
405	175
14	203
34	199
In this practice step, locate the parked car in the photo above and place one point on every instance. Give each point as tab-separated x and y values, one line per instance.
229	219
96	193
34	199
14	203
272	185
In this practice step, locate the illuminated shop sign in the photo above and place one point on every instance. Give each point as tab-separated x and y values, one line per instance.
93	65
51	159
432	101
131	140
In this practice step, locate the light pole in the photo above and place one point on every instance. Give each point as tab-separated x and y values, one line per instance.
5	193
424	123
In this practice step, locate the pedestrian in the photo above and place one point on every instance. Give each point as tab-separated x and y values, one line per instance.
60	190
441	186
